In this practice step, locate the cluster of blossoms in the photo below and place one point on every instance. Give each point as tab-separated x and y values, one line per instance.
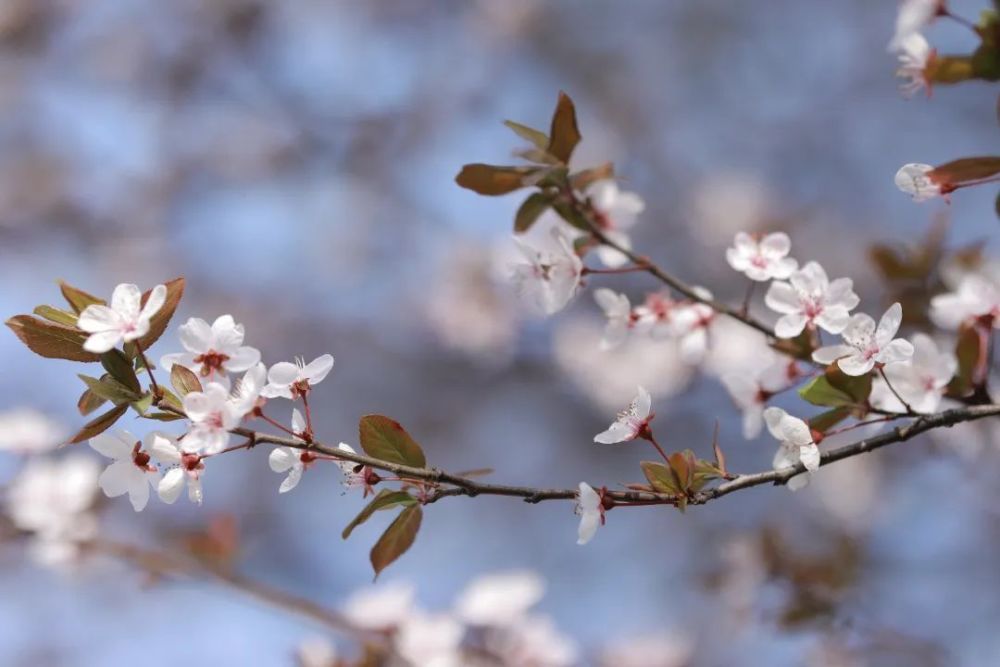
551	271
214	352
491	622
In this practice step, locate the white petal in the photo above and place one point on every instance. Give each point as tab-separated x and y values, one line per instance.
809	455
833	319
196	335
795	431
185	359
125	300
830	353
856	365
101	342
157	297
773	417
163	449
283	373
783	268
227	334
242	359
96	317
298	423
896	351
775	245
617	432
782	298
790	325
642	403
282	458
170	486
889	324
290	482
114	481
116	445
138	489
798	482
195	493
317	369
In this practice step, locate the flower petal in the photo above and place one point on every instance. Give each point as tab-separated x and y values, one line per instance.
889	324
157	297
116	445
782	298
282	458
196	335
318	368
290	482
170	486
830	353
125	300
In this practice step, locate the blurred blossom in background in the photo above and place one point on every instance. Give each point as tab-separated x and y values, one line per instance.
295	162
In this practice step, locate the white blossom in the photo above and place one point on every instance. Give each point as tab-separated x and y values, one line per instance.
379	608
810	300
499	599
751	390
920	381
796	444
130	471
662	649
762	259
247	392
617	309
291	380
212	416
866	345
914	56
212	350
126	319
52	499
27	431
550	275
430	640
630	423
912	17
591	511
316	652
353	478
290	460
617	211
184	469
534	641
914	179
977	296
690	323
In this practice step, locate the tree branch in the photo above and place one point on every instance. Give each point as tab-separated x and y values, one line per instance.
464	486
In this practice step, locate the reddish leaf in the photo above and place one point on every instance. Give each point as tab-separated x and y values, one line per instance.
100	424
51	340
183	380
383	438
564	135
488	179
396	539
77	298
530	210
966	169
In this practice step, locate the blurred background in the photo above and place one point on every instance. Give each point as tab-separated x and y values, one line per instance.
295	162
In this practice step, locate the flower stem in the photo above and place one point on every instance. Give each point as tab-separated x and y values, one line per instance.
909	410
149	369
648	435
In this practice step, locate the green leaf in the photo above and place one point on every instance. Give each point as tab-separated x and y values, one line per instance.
110	389
396	539
62	317
682	464
564	135
163	416
835	388
537	138
571	215
660	477
824	421
118	366
143	405
529	211
77	299
383	438
183	380
51	340
386	499
99	425
491	180
89	401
